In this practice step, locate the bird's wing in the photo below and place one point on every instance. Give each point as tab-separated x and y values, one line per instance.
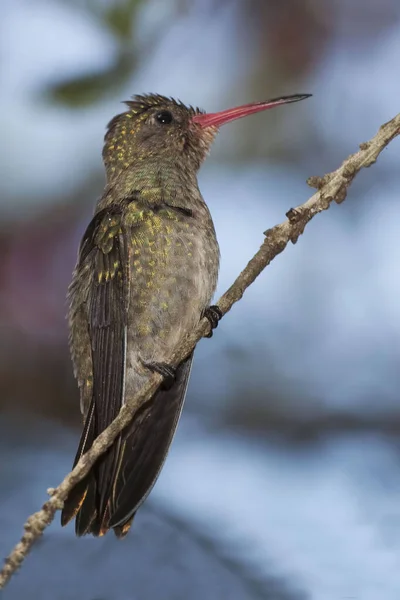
99	298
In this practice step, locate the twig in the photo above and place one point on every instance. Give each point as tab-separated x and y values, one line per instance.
332	186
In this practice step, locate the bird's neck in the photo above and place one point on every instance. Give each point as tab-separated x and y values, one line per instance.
157	182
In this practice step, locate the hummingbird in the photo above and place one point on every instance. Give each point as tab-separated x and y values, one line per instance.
146	272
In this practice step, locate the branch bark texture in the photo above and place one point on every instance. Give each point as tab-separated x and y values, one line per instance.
331	187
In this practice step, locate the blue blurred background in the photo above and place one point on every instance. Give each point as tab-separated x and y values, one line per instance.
287	456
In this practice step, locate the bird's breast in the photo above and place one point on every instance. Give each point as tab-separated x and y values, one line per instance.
174	260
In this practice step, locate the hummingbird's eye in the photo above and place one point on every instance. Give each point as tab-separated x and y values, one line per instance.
164	117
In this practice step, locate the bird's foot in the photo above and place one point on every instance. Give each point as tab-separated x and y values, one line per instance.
213	314
168	372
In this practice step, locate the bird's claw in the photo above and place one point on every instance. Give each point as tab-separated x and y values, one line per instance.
168	373
213	314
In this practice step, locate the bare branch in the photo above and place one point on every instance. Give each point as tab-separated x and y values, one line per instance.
331	187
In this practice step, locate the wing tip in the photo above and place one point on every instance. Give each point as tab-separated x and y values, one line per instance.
121	531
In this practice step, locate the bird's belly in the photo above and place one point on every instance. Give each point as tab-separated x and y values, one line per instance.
171	286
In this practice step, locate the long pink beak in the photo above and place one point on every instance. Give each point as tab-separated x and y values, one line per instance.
225	116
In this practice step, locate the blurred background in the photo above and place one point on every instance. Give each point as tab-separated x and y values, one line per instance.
287	457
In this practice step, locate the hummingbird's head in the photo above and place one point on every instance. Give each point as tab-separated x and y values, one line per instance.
161	128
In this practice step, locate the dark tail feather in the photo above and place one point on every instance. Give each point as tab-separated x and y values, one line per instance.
139	455
144	450
121	530
84	501
87	516
78	495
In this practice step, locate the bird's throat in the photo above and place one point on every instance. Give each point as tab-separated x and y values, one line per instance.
155	183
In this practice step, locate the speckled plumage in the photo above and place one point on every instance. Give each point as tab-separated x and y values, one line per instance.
146	271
